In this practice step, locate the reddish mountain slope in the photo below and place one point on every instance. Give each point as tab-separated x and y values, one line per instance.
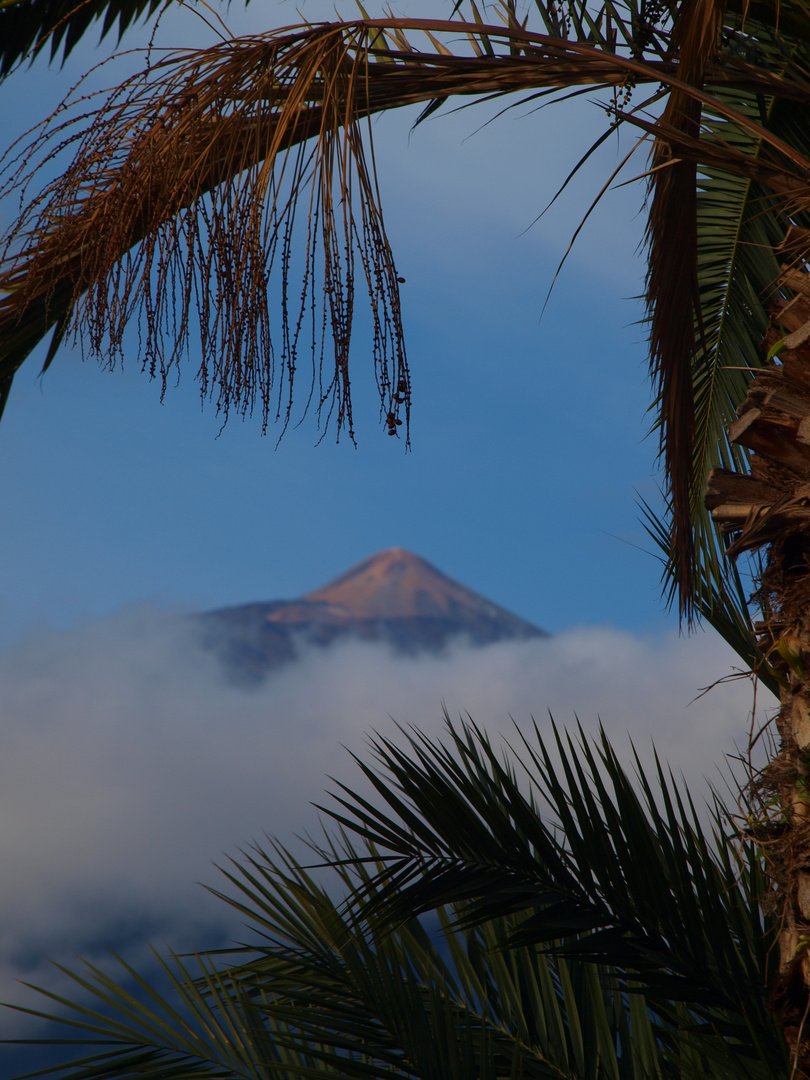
393	596
394	584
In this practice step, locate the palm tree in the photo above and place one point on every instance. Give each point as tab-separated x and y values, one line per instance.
213	177
614	942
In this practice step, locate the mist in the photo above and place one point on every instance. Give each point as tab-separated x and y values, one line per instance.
131	762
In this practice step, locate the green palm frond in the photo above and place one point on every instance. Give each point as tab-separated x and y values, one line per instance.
720	593
399	993
738	232
739	227
331	985
202	1028
624	872
740	224
719	209
29	26
324	993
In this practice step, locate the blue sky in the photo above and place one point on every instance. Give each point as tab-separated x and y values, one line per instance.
528	434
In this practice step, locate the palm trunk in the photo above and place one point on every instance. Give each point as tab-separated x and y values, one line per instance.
770	508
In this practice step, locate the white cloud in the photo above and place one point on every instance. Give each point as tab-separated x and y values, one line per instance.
129	763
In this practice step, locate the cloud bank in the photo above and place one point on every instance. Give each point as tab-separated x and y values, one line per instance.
130	762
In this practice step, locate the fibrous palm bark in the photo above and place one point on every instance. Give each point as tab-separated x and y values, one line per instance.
769	507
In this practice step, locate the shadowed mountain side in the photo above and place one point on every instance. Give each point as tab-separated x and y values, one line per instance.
393	597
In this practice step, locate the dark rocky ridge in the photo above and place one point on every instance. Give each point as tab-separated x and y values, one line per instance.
394	597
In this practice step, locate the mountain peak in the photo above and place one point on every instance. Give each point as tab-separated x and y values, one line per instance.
393	596
396	584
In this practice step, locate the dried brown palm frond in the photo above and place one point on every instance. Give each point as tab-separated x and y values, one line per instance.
180	202
215	178
672	278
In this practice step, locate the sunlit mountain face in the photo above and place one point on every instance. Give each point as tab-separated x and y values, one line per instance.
393	597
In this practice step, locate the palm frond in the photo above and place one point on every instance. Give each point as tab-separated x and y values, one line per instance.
180	206
324	993
184	242
342	979
672	286
629	879
739	225
719	594
29	26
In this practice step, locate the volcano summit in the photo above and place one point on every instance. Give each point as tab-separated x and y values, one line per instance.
393	596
